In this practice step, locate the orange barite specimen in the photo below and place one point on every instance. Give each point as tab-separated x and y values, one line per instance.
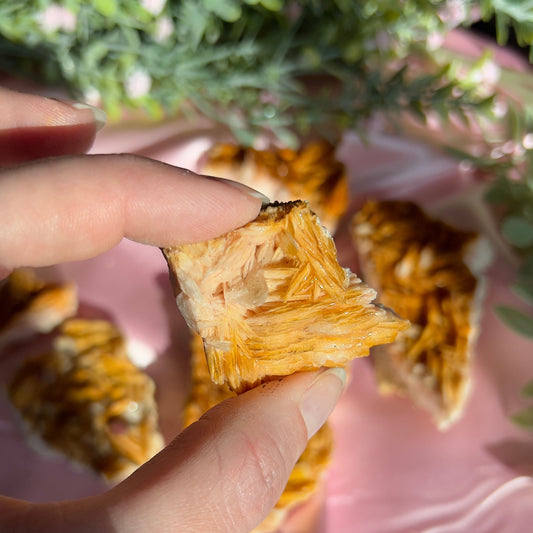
270	299
87	400
420	267
30	305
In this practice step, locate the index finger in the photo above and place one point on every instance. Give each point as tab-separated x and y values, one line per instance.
33	127
73	208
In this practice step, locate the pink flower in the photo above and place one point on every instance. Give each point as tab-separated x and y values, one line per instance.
56	18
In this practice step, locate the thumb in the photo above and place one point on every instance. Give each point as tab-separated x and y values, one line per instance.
225	472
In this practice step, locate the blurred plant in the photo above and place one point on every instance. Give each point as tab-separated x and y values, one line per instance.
507	161
524	418
511	15
240	62
516	197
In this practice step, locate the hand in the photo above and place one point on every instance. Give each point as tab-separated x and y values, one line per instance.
225	472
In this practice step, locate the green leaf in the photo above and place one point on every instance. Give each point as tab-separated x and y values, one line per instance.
526	268
528	389
529	165
516	320
94	53
517	230
497	192
193	27
272	5
516	123
524	418
524	290
502	29
417	109
228	10
107	8
520	10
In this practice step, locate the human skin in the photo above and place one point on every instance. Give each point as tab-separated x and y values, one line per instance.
225	472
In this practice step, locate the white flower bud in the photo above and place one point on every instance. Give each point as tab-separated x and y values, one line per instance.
55	18
153	7
164	29
138	84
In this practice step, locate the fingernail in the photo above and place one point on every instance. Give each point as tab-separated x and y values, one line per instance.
320	398
100	116
248	190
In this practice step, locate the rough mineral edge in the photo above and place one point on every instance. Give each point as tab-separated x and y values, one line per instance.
270	299
312	173
86	401
309	471
431	273
31	305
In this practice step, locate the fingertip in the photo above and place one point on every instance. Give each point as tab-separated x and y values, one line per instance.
194	207
24	110
318	401
34	127
99	116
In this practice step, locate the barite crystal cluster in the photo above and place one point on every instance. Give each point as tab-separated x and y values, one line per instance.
270	299
87	400
429	273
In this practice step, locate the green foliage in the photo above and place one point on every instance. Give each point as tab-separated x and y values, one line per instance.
527	391
524	417
241	62
512	192
515	196
517	320
518	230
516	15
